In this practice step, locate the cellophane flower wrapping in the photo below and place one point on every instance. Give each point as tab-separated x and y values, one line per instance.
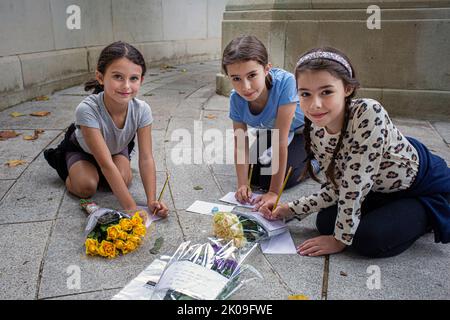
242	230
110	233
207	271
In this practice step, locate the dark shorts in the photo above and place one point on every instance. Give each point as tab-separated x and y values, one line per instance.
72	157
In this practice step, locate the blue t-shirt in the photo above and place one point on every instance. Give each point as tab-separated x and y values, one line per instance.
283	91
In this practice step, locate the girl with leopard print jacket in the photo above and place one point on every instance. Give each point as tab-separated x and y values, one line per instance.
382	191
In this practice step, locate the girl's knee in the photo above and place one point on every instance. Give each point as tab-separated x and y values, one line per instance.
369	244
127	176
85	189
325	221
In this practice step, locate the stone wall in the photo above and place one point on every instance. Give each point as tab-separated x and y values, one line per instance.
40	54
405	64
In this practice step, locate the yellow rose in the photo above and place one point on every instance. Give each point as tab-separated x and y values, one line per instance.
126	224
136	219
91	246
107	249
135	239
113	232
139	230
129	246
119	244
123	235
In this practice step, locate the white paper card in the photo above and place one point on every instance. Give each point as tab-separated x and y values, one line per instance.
273	228
204	207
279	244
193	280
150	216
142	287
230	198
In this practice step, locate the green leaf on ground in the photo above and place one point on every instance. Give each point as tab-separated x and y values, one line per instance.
198	188
157	246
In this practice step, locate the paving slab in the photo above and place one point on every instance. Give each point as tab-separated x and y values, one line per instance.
73	91
219	103
106	294
19	149
62	114
35	196
425	133
21	259
420	273
443	128
4	187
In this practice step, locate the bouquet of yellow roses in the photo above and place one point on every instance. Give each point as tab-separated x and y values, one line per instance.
110	232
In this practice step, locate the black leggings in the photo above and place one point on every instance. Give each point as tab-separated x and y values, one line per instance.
296	158
388	225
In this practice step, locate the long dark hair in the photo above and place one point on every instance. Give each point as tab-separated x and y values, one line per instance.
246	48
114	51
339	71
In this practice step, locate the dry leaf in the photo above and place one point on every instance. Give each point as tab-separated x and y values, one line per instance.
35	135
167	66
41	98
342	273
16	114
40	113
211	116
15	163
298	297
6	134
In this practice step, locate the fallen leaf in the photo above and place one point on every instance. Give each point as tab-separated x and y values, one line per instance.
16	114
298	297
198	188
15	163
210	116
167	66
181	92
342	273
35	135
41	98
148	94
6	134
40	113
157	246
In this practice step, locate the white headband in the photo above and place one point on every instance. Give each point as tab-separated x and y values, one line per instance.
326	55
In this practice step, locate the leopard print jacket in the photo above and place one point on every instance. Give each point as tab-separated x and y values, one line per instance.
374	156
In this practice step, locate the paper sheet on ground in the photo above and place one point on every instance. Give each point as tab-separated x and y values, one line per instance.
204	207
279	244
150	216
230	198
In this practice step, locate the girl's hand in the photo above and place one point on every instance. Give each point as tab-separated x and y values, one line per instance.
243	194
161	208
321	245
266	200
282	211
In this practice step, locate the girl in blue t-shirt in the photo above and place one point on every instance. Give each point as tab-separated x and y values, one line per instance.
264	98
